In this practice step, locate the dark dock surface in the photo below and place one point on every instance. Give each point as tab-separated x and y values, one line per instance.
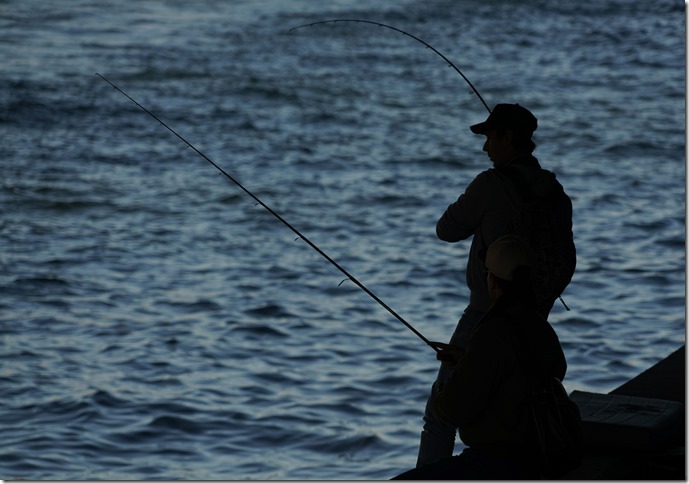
637	431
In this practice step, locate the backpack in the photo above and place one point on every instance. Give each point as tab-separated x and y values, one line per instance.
545	223
557	428
555	432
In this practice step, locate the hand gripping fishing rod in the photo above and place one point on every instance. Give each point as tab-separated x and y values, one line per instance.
473	89
277	216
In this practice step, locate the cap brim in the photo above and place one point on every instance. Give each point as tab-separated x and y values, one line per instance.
480	128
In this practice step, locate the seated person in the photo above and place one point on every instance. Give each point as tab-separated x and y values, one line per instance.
486	398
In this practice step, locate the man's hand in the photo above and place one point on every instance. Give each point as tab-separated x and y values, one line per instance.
449	354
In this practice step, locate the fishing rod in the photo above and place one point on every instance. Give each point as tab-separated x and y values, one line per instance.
473	89
277	216
429	46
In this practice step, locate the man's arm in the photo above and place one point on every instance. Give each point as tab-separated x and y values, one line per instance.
462	218
466	393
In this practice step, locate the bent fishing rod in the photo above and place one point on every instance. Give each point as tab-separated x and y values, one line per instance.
276	215
407	34
429	46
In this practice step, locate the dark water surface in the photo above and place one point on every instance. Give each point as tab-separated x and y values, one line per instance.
157	324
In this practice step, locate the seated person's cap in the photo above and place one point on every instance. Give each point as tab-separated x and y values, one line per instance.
508	116
507	253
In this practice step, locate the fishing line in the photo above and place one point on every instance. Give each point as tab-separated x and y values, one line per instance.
473	89
277	216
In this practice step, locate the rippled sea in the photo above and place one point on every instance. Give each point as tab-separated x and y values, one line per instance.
157	323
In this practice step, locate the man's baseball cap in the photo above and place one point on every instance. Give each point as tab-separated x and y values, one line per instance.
508	116
507	254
